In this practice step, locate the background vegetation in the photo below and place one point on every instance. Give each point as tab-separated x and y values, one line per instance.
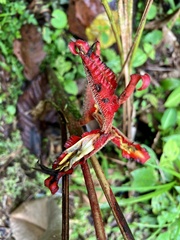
149	194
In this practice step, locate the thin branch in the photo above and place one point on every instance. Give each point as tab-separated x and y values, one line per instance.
140	30
65	207
113	25
65	186
137	38
95	209
121	221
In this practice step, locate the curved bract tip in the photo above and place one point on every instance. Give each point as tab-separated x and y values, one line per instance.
145	81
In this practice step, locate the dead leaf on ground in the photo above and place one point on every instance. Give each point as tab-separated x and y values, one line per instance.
29	50
41	11
36	117
80	15
36	220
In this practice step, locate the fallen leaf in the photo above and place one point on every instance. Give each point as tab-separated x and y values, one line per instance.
36	117
80	15
37	219
29	50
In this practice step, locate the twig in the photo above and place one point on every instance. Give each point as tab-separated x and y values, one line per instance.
121	221
113	25
65	186
140	29
95	209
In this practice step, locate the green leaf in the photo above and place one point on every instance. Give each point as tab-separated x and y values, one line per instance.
2	1
152	12
61	45
166	217
59	19
178	118
71	87
3	48
11	109
104	38
149	49
140	58
144	177
171	150
159	203
175	137
145	197
174	98
174	229
163	236
47	34
62	65
153	37
170	83
152	99
169	118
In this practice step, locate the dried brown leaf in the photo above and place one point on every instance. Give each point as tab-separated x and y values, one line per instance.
37	219
80	15
29	50
41	11
36	118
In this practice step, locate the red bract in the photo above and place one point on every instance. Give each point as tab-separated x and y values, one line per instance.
100	103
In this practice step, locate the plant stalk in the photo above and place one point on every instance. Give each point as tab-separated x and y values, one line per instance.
125	13
65	185
121	221
139	31
65	108
65	207
95	209
113	25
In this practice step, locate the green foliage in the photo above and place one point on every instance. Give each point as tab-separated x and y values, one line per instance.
153	37
148	174
13	16
170	83
140	58
112	59
59	19
58	53
174	98
11	182
154	188
152	12
168	118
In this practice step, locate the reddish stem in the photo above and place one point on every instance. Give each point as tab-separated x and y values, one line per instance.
98	222
65	186
65	207
121	221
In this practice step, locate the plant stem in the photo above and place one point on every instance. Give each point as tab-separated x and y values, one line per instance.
65	207
121	221
125	13
65	185
95	209
113	25
137	38
66	108
140	31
